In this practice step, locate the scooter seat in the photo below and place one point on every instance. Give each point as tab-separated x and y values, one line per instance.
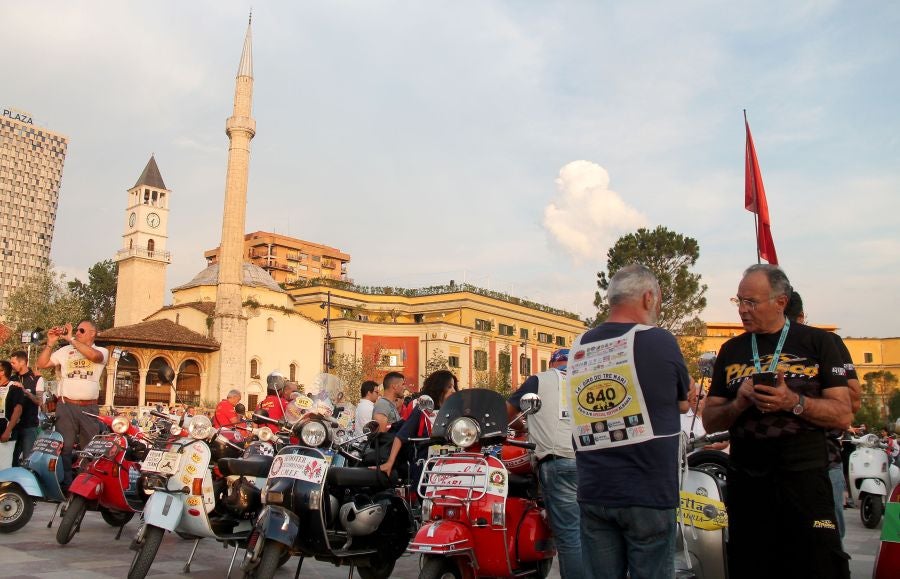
522	485
256	465
349	476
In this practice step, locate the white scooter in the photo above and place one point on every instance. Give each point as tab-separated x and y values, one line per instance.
872	477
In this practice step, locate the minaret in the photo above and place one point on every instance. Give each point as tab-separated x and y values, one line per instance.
229	322
142	261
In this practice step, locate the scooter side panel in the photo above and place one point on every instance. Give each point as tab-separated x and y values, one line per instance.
46	464
442	538
164	510
873	486
22	477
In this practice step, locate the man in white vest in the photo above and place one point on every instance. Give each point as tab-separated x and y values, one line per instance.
551	432
627	383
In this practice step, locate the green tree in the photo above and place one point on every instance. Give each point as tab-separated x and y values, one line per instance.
499	380
352	371
894	406
98	295
437	361
869	412
669	256
882	385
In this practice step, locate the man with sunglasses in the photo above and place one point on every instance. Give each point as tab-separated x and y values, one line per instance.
78	368
777	388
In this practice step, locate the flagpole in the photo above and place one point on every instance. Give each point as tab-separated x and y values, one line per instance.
755	213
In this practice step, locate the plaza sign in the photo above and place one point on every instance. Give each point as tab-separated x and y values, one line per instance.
16	116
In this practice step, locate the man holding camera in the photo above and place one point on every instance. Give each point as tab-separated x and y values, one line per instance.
778	388
78	368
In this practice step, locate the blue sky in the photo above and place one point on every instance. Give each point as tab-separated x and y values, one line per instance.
429	139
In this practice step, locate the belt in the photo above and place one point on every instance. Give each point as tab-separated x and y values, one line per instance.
551	458
79	402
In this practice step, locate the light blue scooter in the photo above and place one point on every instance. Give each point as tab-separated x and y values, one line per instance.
41	480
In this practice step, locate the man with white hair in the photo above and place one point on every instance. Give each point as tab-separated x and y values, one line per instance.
627	385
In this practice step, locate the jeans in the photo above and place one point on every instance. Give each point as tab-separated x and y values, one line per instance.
24	444
559	483
636	540
836	474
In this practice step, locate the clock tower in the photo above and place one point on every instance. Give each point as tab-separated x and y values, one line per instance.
143	258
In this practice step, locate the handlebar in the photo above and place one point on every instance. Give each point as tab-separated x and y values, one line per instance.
521	443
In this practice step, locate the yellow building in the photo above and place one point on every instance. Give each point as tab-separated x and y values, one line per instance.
288	259
477	331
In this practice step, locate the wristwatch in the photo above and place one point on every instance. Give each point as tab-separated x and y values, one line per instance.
800	406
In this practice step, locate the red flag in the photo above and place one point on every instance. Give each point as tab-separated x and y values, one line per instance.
755	201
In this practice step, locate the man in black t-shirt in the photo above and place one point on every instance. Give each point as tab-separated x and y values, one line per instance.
30	405
12	426
780	507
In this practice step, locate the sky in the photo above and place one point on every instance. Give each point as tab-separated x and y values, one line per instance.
505	144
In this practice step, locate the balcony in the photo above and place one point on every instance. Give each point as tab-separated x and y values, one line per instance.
328	263
145	253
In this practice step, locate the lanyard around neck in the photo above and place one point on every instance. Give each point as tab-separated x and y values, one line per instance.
777	354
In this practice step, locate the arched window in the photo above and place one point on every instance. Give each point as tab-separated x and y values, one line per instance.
188	383
159	391
254	368
150	245
127	381
131	244
270	325
292	371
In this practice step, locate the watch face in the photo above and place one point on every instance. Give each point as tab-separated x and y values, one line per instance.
153	220
131	219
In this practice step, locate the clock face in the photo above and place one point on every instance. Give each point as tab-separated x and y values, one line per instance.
131	219
153	220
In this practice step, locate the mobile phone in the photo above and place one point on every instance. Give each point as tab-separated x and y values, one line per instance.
764	379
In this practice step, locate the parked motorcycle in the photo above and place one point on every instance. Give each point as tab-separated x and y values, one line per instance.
107	479
702	518
480	519
39	480
185	499
872	477
315	506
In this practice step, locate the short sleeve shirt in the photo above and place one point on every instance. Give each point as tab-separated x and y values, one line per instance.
79	378
386	407
15	396
225	413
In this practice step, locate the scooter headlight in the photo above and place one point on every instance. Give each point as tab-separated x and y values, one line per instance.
175	430
313	433
464	432
265	434
200	427
120	425
426	509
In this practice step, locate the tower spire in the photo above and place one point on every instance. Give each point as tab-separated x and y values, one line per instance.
229	322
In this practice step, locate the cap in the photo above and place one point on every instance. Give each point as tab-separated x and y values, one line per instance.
561	355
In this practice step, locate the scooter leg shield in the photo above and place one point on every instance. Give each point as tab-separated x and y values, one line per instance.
164	510
442	538
873	486
278	524
87	485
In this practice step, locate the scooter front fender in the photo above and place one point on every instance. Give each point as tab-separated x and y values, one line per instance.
873	486
87	485
278	524
24	478
164	510
442	538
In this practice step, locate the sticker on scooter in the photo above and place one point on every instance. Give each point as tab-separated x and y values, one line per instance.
702	512
300	467
159	461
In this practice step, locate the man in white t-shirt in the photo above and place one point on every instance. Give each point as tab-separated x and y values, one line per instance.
368	394
78	368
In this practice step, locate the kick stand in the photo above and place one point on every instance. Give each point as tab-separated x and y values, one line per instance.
299	565
119	534
187	566
56	512
233	557
352	569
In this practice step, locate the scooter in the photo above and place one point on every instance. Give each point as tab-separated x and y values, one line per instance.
872	477
702	519
186	500
40	480
479	518
315	506
887	559
108	472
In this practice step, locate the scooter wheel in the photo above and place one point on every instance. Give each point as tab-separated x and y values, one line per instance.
270	560
146	552
439	568
16	508
870	510
71	520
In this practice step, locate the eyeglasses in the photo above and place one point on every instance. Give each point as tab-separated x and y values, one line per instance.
82	330
749	304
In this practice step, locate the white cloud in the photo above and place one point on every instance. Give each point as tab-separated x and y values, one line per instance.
587	216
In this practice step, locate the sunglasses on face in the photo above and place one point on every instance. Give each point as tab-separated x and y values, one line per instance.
82	330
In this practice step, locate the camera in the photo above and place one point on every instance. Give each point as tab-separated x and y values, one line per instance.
764	379
706	363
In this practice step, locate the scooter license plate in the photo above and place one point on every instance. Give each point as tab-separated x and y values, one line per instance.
160	461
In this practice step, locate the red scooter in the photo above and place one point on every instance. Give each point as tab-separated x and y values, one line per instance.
107	479
480	519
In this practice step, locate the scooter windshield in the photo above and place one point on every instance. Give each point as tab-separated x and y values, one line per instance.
486	407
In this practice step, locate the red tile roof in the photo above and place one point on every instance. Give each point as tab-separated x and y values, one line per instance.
157	333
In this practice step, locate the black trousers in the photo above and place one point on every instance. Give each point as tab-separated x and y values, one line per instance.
782	525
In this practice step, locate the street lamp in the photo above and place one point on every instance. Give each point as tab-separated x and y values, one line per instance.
326	353
30	338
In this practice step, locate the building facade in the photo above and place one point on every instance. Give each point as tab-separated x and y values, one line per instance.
31	167
288	259
479	334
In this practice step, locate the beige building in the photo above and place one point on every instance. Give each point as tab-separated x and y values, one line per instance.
31	166
288	259
477	332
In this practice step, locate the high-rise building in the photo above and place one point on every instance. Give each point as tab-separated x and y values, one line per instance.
288	259
31	166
